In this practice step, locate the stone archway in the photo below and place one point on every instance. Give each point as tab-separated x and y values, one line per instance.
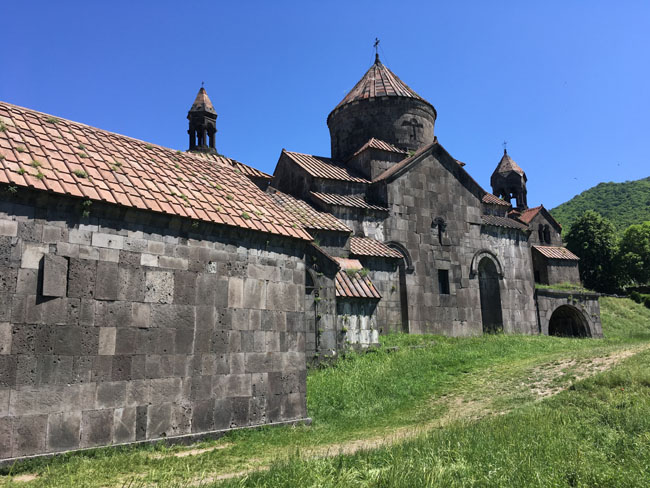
568	321
488	281
405	267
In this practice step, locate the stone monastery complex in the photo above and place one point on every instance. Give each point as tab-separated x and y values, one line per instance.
149	293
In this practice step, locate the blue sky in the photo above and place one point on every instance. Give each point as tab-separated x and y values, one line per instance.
564	82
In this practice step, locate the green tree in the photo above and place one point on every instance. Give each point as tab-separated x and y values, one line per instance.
634	253
593	239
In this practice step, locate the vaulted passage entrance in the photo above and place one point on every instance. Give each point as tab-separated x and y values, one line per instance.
488	282
568	321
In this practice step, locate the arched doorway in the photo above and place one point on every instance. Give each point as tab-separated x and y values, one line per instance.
405	266
488	282
568	321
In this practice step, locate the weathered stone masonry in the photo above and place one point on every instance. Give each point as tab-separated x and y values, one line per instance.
130	326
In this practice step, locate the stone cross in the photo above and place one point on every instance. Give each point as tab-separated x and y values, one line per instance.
413	123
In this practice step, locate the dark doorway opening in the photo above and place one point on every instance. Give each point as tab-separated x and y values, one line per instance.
567	321
488	282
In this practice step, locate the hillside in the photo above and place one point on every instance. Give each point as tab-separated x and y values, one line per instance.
624	203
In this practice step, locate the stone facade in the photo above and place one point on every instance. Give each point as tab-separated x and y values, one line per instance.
127	326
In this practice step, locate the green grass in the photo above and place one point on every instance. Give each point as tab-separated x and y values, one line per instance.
366	396
597	433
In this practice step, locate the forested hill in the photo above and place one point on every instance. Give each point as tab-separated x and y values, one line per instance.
624	204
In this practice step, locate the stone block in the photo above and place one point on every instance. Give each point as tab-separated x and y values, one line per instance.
55	276
222	413
30	231
141	421
53	234
8	366
8	228
63	431
88	252
8	279
149	260
172	316
77	236
6	437
159	287
159	420
131	283
124	425
121	368
111	241
27	282
140	315
107	285
32	255
29	435
254	294
235	293
172	262
96	428
82	274
110	394
185	287
5	338
125	342
203	415
54	370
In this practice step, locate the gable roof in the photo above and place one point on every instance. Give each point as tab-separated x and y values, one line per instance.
530	213
491	199
69	158
326	168
365	246
349	282
379	81
503	222
308	216
353	201
554	252
375	143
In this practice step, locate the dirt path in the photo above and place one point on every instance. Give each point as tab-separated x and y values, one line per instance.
542	381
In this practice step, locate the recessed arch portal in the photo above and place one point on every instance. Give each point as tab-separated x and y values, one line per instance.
568	321
488	282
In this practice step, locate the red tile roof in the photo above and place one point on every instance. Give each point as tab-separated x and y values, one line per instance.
345	201
365	246
529	214
553	252
503	222
350	283
379	81
239	166
320	167
202	102
494	200
308	216
374	143
57	155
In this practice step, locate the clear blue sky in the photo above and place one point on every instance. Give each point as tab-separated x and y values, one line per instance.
564	82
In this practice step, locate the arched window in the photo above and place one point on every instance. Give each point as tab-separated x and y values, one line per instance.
547	235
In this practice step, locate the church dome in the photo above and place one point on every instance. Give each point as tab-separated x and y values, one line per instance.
384	107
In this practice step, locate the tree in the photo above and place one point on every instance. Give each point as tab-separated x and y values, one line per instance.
634	253
593	239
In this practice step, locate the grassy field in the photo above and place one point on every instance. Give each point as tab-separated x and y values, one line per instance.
487	411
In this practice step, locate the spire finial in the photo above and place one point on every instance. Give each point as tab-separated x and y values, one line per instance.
202	83
505	151
376	46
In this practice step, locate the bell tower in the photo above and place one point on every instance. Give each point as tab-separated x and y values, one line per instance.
203	124
509	181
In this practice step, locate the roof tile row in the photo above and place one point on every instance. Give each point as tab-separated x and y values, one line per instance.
365	246
345	201
61	156
350	283
320	167
308	216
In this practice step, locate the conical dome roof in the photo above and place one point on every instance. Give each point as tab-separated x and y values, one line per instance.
202	103
379	81
507	164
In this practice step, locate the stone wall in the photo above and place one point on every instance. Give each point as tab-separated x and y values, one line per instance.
584	306
387	118
436	187
130	326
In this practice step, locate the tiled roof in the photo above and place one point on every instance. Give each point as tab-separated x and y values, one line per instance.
239	166
374	143
494	200
507	165
202	103
379	81
503	222
320	167
350	283
345	201
553	252
529	214
308	216
60	156
365	246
